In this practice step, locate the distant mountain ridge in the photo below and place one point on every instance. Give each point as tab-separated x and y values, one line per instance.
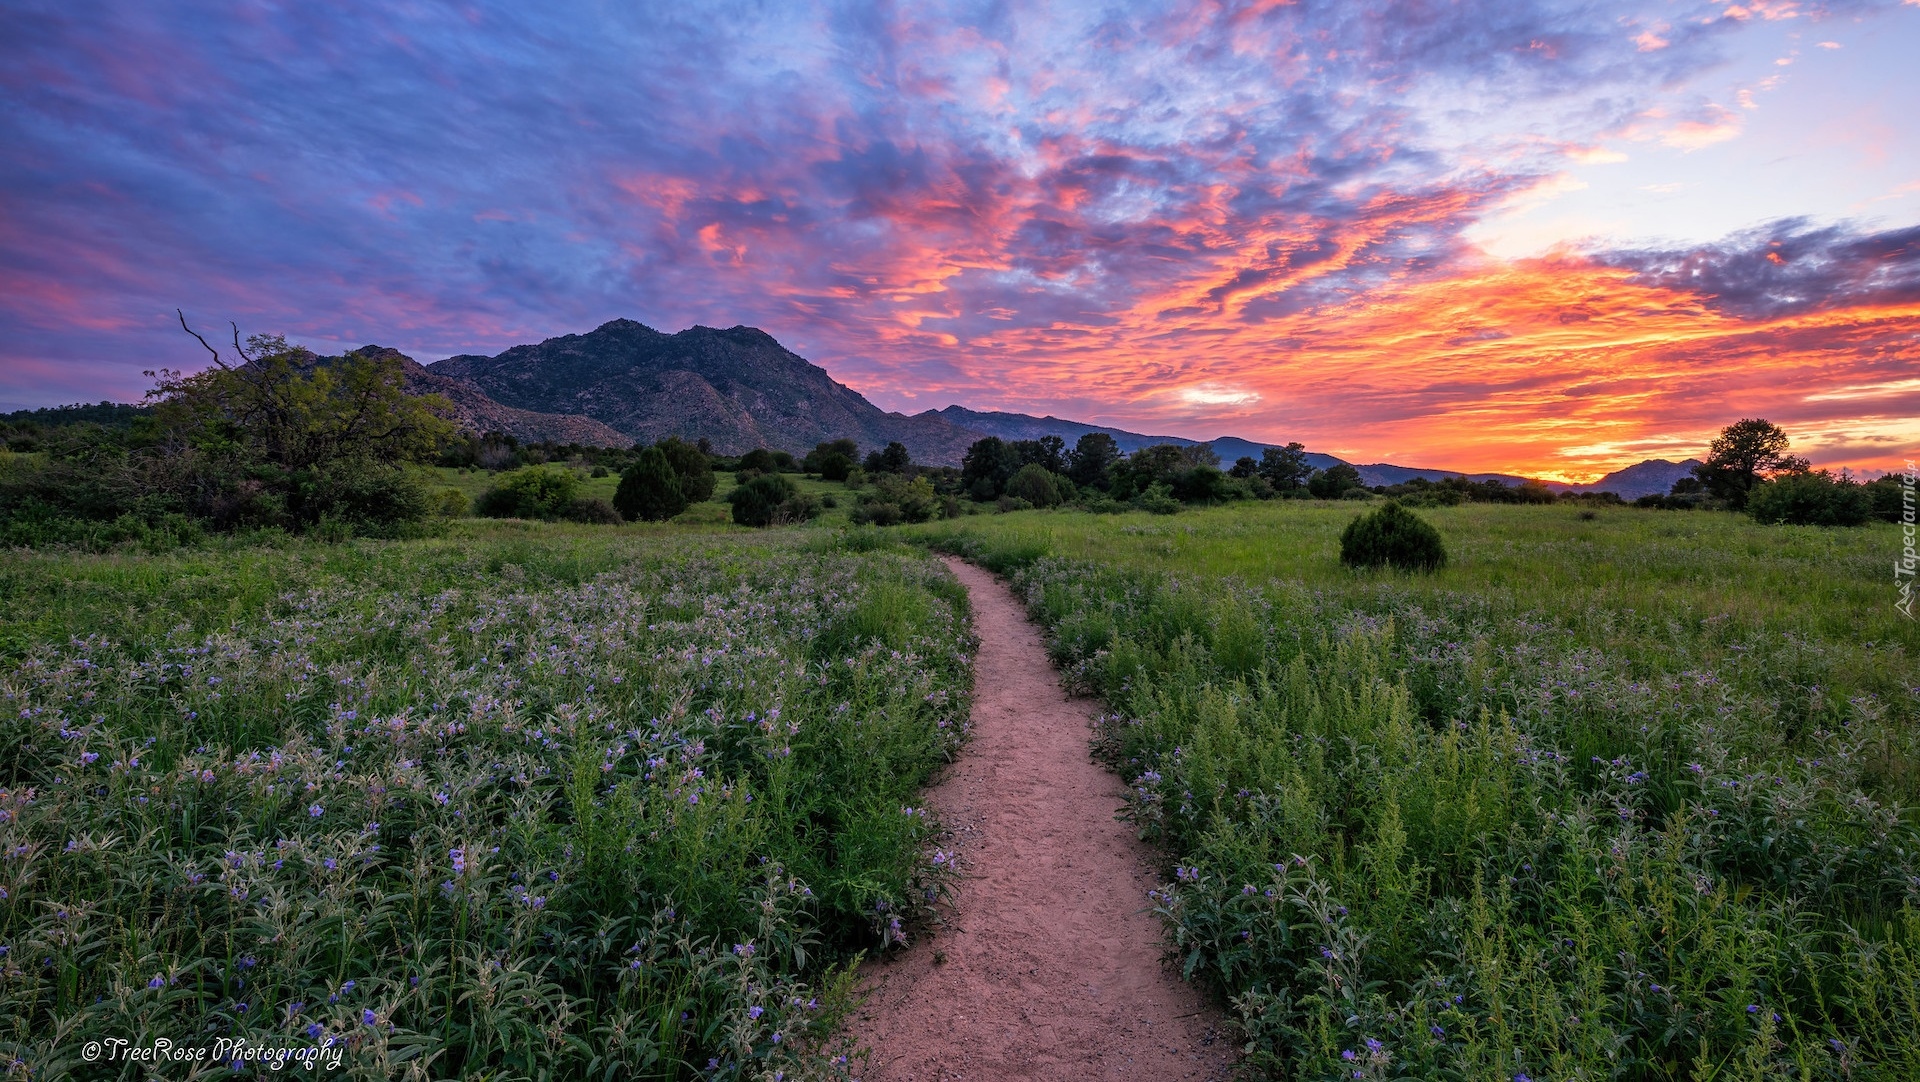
625	382
738	387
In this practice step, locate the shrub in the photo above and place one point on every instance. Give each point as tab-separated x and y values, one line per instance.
1813	498
600	471
772	500
1157	499
451	503
1202	484
1035	485
376	500
592	510
541	492
895	499
1012	503
759	459
1392	536
650	489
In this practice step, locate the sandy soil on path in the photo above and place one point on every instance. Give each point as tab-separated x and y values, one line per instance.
1050	965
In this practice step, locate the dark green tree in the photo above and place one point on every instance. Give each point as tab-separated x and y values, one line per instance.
987	466
833	460
1334	482
1092	461
1244	467
692	466
894	459
650	489
1742	456
1285	468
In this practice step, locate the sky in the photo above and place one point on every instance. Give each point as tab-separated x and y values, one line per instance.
1533	236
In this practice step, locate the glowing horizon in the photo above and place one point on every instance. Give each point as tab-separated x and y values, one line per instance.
1535	238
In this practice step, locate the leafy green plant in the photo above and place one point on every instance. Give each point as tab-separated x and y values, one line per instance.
650	489
537	492
1392	536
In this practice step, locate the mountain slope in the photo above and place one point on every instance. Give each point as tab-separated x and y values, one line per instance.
475	411
1654	477
737	387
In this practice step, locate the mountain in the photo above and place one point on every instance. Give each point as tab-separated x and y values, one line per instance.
737	387
475	411
1021	426
1653	477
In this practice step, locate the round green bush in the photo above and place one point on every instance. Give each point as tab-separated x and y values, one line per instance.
1035	485
770	499
650	489
530	492
1395	537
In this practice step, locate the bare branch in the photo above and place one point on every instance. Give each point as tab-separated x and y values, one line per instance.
196	334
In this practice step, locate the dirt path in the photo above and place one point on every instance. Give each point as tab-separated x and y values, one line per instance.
1050	966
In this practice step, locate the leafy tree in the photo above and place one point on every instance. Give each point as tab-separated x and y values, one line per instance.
1742	456
1335	482
1092	461
1158	464
691	465
1244	467
284	406
892	460
833	460
1034	484
1889	497
650	489
1285	468
1810	498
1392	536
1048	452
987	466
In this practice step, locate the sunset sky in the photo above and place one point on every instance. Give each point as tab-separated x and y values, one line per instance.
1536	237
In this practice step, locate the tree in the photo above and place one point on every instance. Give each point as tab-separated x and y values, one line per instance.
1034	484
833	460
1048	452
691	465
1742	456
1244	467
892	460
650	489
757	460
282	405
1392	536
1201	484
1285	468
1092	461
1334	482
985	469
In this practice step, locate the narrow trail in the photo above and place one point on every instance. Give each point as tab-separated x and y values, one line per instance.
1050	965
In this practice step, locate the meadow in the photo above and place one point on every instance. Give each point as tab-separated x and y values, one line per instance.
1617	794
521	801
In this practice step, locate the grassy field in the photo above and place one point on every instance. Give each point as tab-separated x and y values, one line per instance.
524	801
1625	796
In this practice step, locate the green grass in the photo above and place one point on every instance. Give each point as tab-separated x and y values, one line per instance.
523	801
1620	797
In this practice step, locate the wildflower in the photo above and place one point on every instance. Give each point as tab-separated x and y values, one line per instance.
755	1011
367	1016
157	982
316	810
314	1029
